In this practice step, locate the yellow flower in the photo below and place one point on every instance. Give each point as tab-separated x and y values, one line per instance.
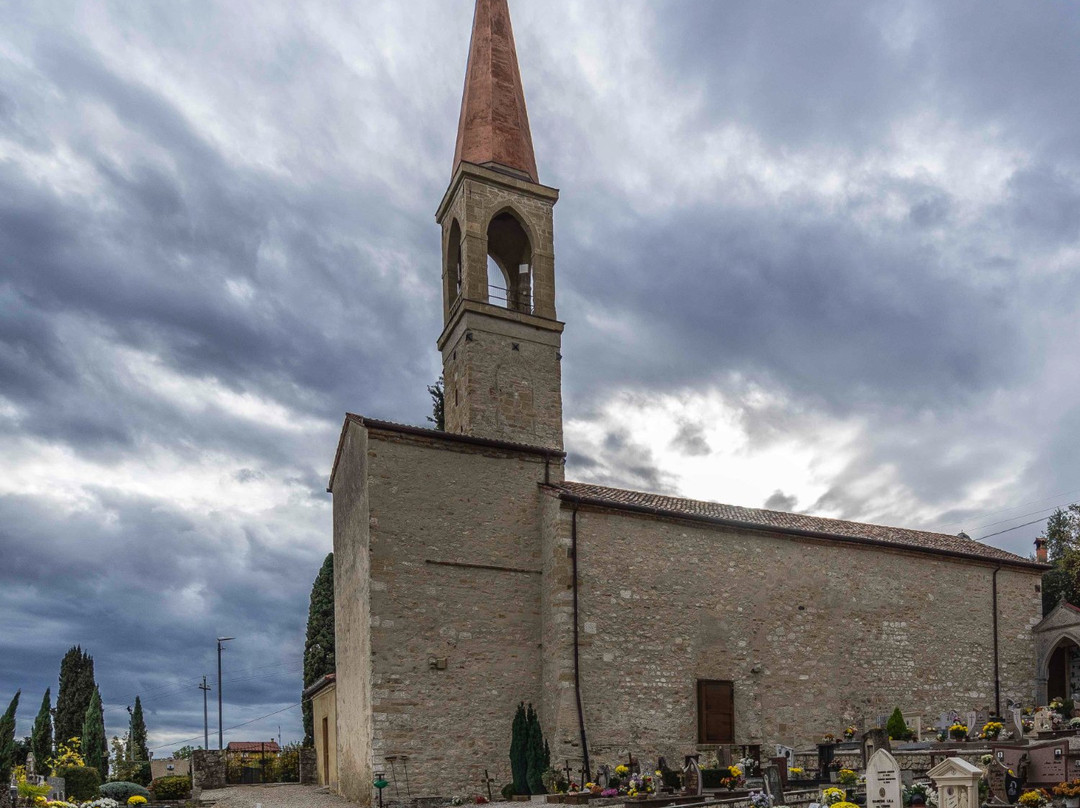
136	799
621	770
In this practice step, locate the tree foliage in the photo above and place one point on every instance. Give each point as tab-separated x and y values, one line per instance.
94	747
77	687
519	735
896	726
535	755
7	741
137	748
437	392
41	736
319	645
1062	536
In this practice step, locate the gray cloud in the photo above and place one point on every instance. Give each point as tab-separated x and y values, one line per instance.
216	237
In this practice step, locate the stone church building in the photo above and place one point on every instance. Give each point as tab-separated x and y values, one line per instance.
470	574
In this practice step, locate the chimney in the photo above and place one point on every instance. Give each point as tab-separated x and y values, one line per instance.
1040	550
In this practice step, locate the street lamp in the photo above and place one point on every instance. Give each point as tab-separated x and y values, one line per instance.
220	733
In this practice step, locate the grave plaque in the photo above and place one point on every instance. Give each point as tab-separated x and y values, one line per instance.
1013	788
1043	721
786	752
971	719
692	777
883	781
773	785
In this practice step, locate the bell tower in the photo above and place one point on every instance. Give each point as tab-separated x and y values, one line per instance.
501	339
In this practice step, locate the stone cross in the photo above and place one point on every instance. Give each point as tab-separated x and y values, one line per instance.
971	719
883	781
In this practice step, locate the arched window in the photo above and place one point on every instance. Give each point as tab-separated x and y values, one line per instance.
453	263
509	264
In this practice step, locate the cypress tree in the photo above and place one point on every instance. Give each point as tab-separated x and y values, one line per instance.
519	733
76	689
896	727
7	744
534	753
137	749
319	645
41	736
94	748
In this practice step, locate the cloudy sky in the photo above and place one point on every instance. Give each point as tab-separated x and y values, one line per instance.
820	256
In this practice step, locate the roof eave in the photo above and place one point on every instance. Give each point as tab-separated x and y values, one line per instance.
647	510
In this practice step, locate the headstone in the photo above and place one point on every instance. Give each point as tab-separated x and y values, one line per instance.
786	752
1014	786
872	741
1043	721
907	778
996	773
59	788
883	781
915	725
774	787
971	720
1016	723
781	763
957	783
692	777
603	775
30	763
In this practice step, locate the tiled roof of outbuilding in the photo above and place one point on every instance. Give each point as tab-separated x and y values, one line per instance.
758	518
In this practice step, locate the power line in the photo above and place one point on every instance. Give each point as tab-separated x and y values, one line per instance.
230	729
1014	507
1010	529
1019	516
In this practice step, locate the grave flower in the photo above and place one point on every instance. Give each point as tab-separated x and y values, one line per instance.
992	730
759	799
844	805
1034	798
609	792
958	731
847	777
833	796
849	733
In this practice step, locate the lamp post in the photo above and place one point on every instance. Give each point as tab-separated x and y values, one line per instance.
220	732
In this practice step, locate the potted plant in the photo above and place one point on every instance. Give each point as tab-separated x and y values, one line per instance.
847	777
849	733
992	731
1034	799
958	731
1070	791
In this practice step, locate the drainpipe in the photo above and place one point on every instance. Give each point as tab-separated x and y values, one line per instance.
997	666
577	655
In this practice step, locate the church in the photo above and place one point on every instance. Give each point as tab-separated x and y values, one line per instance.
471	574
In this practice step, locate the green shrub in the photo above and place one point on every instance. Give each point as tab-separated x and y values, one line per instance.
80	782
672	779
142	774
896	727
173	787
122	791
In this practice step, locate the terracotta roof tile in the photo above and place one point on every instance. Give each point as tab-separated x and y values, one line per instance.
253	746
779	520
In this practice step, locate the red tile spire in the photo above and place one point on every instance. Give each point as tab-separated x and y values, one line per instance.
494	124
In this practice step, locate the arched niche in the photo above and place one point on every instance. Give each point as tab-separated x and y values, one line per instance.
510	260
454	270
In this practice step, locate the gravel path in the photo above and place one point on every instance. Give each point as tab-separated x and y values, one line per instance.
281	796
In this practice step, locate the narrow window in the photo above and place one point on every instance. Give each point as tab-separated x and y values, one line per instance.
716	711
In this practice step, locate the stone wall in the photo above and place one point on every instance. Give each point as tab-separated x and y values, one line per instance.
324	708
452	541
207	769
814	634
352	617
309	767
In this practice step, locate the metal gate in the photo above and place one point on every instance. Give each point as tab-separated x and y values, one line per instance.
259	763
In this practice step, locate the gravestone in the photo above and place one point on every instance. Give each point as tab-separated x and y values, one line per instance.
31	761
915	725
1043	721
603	775
957	783
883	781
692	777
970	720
1016	723
58	788
1014	787
996	773
873	740
774	787
907	778
787	753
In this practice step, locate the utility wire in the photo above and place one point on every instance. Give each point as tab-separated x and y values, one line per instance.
1020	516
1014	507
228	729
1010	529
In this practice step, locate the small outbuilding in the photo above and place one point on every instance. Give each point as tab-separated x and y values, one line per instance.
323	695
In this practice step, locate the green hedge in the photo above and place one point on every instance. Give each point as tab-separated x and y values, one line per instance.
173	787
122	791
81	782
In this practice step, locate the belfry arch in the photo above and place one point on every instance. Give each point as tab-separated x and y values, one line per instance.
454	274
1057	653
510	263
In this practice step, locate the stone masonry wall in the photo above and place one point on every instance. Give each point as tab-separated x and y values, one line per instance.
352	618
814	634
454	647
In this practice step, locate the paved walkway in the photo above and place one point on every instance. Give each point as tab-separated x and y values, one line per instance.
275	796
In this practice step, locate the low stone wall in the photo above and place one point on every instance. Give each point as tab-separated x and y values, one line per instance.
919	761
207	770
